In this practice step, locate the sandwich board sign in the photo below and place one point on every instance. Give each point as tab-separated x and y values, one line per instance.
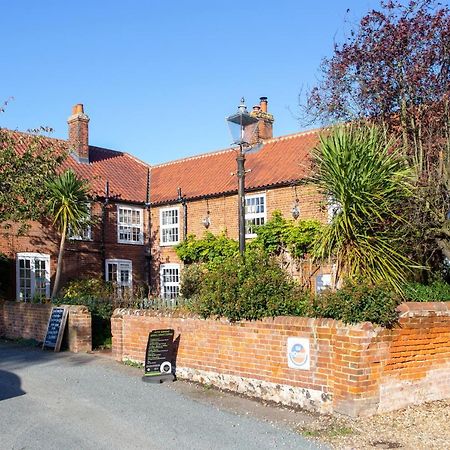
55	328
158	356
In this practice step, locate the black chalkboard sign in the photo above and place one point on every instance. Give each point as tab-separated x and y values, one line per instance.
158	356
55	328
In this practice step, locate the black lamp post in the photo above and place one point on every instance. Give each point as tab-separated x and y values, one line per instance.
242	127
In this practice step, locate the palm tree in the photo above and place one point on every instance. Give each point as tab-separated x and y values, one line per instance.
67	205
367	181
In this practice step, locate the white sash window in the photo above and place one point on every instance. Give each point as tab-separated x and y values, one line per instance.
32	276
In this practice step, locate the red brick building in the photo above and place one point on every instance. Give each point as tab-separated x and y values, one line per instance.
142	212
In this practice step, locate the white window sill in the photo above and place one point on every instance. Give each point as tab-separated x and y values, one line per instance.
130	242
168	244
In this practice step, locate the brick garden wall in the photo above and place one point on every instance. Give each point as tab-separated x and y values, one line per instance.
29	321
355	370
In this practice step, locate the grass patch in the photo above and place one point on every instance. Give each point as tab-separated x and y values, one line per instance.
326	432
130	363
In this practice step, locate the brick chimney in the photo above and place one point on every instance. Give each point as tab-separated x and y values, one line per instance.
79	134
265	125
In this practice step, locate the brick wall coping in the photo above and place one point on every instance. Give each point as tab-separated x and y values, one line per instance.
281	320
73	308
407	309
420	309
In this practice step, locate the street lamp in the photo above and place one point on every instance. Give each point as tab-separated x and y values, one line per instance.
242	128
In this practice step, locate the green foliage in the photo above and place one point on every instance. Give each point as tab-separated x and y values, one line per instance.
358	302
131	363
97	295
67	202
191	279
437	291
358	169
23	175
296	237
210	248
248	288
88	288
67	205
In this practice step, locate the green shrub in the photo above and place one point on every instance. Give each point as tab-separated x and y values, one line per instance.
209	249
296	237
191	279
437	291
87	287
355	303
248	288
98	296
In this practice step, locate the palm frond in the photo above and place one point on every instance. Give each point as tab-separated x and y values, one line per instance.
359	169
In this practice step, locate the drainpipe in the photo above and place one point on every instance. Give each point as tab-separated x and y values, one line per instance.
104	221
148	250
183	201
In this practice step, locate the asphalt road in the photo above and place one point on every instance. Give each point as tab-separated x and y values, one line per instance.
67	401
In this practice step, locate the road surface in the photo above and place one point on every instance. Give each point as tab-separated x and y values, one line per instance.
68	401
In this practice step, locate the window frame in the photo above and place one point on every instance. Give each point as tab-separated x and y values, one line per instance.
333	208
129	262
324	286
88	229
32	256
251	216
168	227
140	226
171	283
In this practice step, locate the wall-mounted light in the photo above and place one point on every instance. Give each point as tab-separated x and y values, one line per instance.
295	211
206	222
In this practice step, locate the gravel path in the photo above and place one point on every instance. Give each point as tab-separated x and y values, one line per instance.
419	427
425	426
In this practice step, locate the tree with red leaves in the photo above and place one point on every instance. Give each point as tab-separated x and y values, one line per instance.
394	70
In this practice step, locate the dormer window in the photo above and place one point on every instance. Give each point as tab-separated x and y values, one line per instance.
130	225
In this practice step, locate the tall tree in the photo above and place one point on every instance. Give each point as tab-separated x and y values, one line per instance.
368	182
26	162
67	205
394	70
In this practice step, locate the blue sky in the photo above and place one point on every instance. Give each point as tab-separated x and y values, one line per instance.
158	78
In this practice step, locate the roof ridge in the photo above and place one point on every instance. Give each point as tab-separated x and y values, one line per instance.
218	152
138	160
189	158
293	135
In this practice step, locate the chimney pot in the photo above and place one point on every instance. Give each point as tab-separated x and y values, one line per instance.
263	103
256	108
78	109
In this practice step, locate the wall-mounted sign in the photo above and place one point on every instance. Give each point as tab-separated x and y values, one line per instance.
298	354
55	328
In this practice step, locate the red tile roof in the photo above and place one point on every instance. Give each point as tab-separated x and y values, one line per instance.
279	161
127	176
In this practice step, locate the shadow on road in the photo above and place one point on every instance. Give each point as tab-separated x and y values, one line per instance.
9	385
15	356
